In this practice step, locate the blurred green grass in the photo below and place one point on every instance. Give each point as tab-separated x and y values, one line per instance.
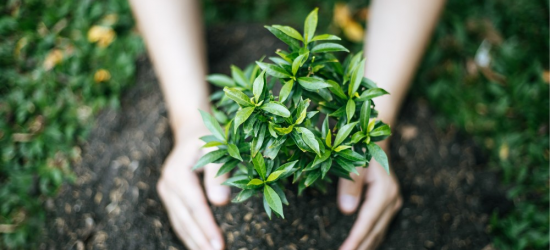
53	80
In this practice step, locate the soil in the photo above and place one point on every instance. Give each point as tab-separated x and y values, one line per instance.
449	192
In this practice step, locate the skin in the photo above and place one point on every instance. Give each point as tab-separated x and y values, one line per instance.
173	34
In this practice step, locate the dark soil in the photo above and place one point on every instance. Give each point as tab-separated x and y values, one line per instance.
448	191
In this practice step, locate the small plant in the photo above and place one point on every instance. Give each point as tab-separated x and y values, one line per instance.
271	138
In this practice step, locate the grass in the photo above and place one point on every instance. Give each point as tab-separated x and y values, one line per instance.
62	61
54	78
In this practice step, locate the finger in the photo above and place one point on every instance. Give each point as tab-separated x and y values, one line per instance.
217	193
195	202
174	208
375	237
349	192
371	209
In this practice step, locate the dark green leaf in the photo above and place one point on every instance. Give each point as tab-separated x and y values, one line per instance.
325	167
221	80
372	93
289	31
365	115
258	86
285	91
258	141
259	165
227	167
234	151
244	195
273	200
336	89
293	43
288	168
343	133
212	124
239	181
281	193
274	70
356	78
381	131
351	155
241	116
239	76
350	109
379	155
266	207
309	139
347	165
312	177
238	96
312	84
310	25
328	47
276	109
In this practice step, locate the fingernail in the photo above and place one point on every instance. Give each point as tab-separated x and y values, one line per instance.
216	244
218	193
348	202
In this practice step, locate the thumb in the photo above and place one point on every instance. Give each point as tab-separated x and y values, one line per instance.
217	193
349	192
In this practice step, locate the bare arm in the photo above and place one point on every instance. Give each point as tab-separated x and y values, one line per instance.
398	32
172	30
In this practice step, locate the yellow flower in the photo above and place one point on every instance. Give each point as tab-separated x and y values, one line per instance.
102	35
102	75
53	58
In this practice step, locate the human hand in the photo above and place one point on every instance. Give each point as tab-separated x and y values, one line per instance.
382	201
180	191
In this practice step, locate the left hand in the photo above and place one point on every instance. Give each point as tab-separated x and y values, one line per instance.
382	201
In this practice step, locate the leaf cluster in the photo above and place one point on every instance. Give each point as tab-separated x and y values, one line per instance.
322	122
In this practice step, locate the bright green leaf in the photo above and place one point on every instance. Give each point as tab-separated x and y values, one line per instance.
350	109
328	47
258	86
365	115
259	165
239	77
221	80
379	155
233	151
289	31
372	93
312	84
343	133
325	37
275	175
310	25
241	116
273	200
213	126
356	78
238	96
309	139
276	109
285	91
274	70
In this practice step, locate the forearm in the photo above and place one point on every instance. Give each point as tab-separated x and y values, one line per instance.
172	30
397	34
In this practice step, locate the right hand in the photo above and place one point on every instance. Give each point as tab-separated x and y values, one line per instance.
183	197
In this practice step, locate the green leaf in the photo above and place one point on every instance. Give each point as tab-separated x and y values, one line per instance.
325	167
381	131
221	80
312	177
244	195
276	109
275	175
372	93
227	167
288	168
336	89
259	165
346	165
258	141
310	25
293	43
359	135
280	193
309	139
267	208
365	115
273	200
328	47
351	155
285	130
258	86
319	159
328	139
312	84
213	126
350	109
255	183
274	70
241	116
343	133
325	37
297	63
212	144
239	76
356	78
239	181
325	129
341	147
233	151
379	155
352	65
289	31
285	91
210	157
238	96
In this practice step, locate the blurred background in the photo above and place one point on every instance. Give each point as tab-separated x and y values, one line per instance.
485	74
